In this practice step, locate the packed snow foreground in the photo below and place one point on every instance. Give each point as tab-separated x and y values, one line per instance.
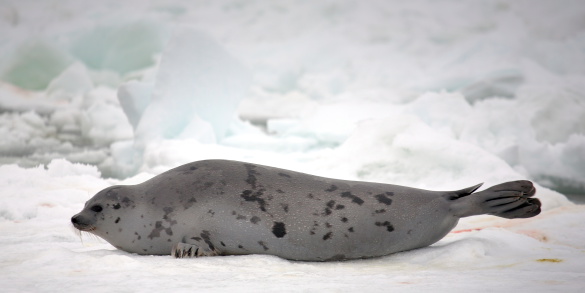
437	97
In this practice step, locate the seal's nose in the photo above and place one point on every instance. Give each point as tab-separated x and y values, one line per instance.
75	219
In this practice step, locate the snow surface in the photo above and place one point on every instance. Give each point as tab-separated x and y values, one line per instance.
430	94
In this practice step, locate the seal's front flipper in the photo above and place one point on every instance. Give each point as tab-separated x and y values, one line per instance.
195	247
185	250
508	200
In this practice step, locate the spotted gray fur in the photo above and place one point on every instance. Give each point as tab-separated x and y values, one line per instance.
219	207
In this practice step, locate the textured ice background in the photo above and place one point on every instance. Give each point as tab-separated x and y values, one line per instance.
431	94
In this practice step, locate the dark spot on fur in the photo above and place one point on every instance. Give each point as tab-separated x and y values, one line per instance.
117	220
196	238
240	217
331	188
192	168
251	179
278	229
339	207
117	206
284	175
327	212
380	211
126	201
386	224
344	219
350	229
169	231
328	225
240	246
263	245
222	244
330	204
409	231
254	220
354	198
383	199
205	235
279	191
249	195
310	195
315	225
156	231
234	213
167	211
284	207
190	203
327	236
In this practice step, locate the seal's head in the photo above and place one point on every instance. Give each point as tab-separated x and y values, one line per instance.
102	214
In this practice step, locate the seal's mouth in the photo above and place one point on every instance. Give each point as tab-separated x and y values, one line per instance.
84	228
80	223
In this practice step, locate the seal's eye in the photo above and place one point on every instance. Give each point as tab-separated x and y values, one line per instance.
96	208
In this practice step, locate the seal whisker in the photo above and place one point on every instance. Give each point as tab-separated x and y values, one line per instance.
75	230
91	236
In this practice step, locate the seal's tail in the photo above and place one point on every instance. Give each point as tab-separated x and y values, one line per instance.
508	200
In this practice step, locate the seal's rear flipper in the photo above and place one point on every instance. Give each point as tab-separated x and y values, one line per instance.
508	200
464	192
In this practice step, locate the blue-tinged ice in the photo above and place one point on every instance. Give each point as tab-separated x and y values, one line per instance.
120	47
196	93
33	64
134	97
194	96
